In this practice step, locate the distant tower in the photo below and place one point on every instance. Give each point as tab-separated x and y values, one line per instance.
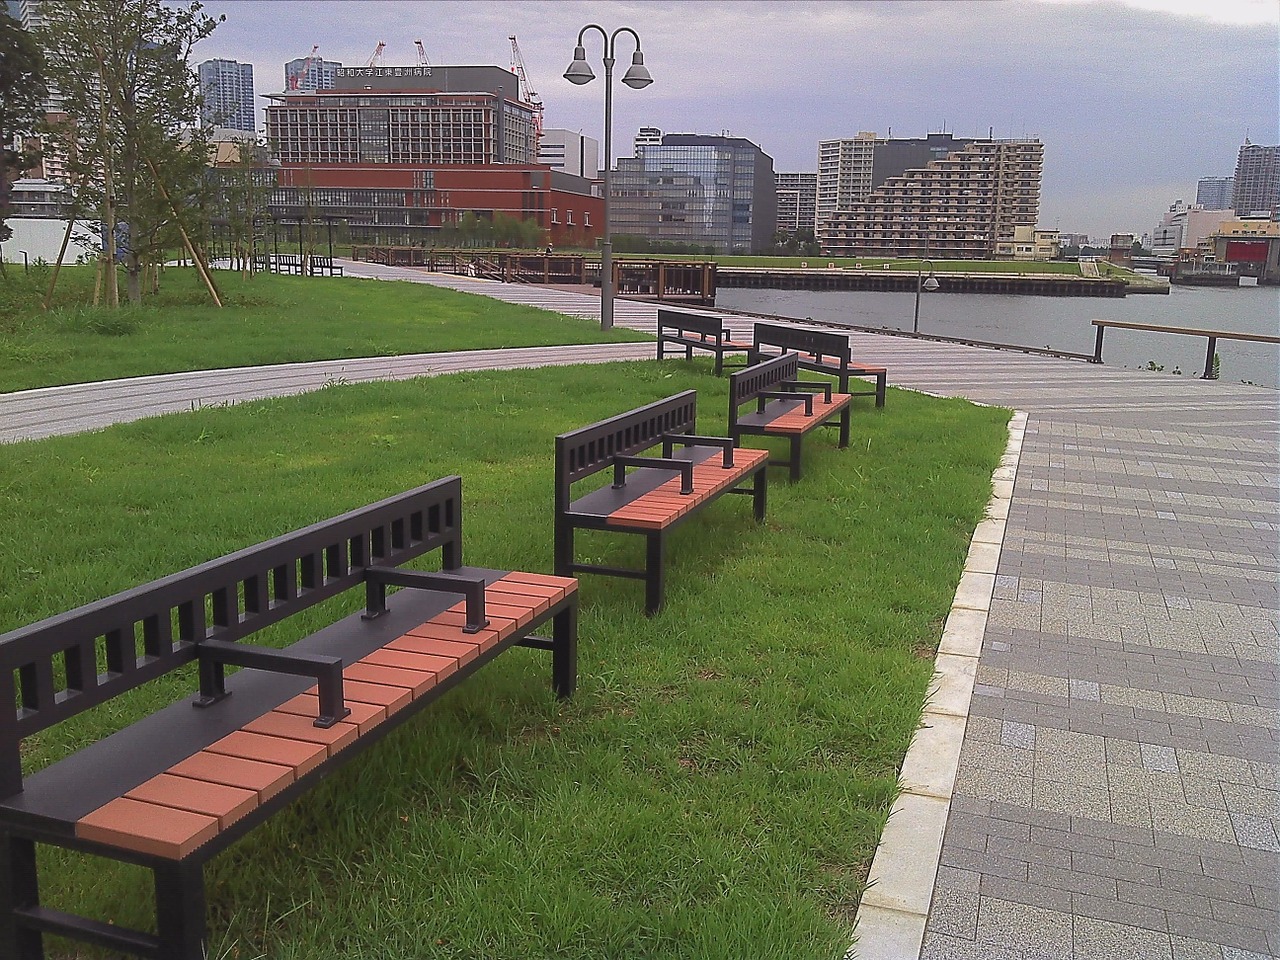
1214	193
1257	181
227	86
310	73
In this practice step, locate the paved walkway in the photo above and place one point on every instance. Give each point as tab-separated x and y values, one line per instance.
1118	794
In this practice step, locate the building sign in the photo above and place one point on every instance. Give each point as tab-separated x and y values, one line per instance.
383	72
1246	251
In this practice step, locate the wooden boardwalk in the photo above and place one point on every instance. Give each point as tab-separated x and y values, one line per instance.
1118	792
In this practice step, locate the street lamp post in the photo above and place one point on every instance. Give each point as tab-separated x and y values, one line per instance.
931	284
636	77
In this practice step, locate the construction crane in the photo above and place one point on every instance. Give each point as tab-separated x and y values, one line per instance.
296	81
422	57
526	91
376	59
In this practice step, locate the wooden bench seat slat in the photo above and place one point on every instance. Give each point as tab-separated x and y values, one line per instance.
265	779
365	716
148	828
302	757
463	653
290	726
415	681
441	666
226	803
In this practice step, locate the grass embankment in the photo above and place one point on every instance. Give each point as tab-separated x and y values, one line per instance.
267	319
716	787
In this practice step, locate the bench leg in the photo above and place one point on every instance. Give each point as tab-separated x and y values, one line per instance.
844	426
795	458
655	572
563	548
19	889
564	654
180	910
880	388
760	493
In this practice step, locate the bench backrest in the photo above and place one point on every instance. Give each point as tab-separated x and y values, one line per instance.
701	323
588	450
824	352
70	662
748	384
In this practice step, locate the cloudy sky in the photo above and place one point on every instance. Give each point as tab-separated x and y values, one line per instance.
1135	100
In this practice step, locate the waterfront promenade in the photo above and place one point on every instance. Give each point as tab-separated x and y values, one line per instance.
1118	787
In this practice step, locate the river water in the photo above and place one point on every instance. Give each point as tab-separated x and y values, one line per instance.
1062	323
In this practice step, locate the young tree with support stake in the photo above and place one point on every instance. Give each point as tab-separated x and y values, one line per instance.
137	154
22	95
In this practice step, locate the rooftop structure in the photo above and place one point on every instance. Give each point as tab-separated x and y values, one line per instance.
570	152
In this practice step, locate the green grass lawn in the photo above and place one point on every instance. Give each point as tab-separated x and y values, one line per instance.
716	787
267	319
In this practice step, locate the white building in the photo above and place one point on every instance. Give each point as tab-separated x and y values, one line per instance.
1183	228
227	86
570	152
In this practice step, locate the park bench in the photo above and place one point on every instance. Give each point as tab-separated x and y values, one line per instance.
288	263
175	788
784	406
819	352
659	494
696	331
324	266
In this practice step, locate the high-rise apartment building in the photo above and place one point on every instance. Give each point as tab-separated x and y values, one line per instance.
570	151
689	188
227	88
961	205
1214	193
311	73
1256	191
797	201
849	169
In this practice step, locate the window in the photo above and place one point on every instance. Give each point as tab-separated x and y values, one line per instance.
555	215
586	219
568	217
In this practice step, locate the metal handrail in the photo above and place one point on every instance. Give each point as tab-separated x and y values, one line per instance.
1213	335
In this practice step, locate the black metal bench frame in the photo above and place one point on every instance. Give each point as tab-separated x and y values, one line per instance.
199	616
616	443
773	386
696	331
819	352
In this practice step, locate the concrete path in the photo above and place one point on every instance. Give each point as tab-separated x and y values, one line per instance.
1118	791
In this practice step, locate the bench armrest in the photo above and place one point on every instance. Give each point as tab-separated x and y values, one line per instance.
788	395
377	579
213	655
809	385
669	441
685	467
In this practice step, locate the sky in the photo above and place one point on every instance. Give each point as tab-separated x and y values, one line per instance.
1134	100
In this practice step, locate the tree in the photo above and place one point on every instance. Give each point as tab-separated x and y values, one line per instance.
22	96
137	154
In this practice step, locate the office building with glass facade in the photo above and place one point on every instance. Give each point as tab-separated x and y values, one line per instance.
705	190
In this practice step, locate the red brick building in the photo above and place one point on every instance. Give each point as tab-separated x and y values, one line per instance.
409	204
398	153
